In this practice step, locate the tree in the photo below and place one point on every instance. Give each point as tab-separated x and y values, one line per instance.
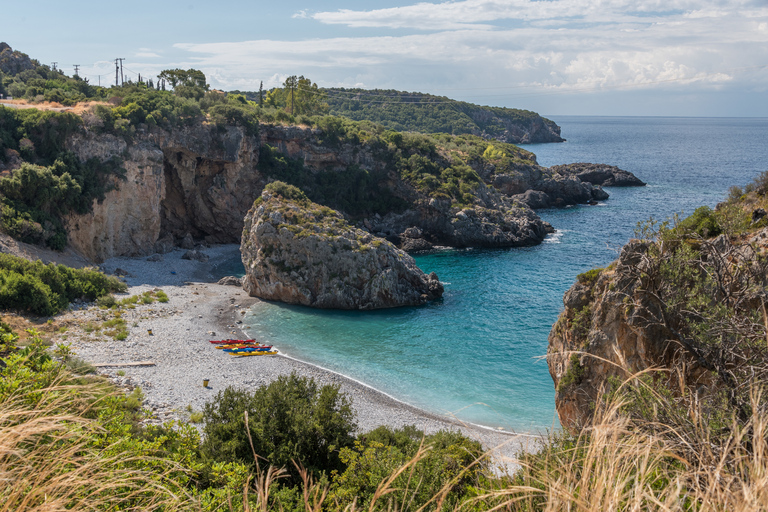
298	96
291	419
180	77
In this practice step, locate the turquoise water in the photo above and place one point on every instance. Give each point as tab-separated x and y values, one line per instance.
476	354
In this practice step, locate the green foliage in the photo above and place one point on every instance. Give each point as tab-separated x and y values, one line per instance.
378	454
418	112
703	223
236	114
287	191
47	289
363	193
290	419
590	277
185	78
573	375
298	96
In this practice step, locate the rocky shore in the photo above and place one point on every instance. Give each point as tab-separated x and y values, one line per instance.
200	309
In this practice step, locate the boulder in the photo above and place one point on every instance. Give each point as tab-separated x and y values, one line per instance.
230	281
196	255
187	242
299	252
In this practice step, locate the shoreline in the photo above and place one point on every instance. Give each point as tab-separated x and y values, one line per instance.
200	309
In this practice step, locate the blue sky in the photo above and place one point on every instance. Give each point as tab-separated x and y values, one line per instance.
556	57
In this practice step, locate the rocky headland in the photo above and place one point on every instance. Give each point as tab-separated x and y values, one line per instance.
681	306
199	180
299	252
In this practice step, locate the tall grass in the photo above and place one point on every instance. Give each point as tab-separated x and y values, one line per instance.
48	461
621	463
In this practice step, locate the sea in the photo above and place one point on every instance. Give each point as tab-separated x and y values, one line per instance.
478	354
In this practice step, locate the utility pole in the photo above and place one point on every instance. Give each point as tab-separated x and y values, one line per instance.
120	69
77	68
54	64
261	93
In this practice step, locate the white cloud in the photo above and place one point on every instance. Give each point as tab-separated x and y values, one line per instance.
558	45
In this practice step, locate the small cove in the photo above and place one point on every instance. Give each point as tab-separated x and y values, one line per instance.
476	354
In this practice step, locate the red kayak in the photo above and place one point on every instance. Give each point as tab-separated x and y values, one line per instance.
231	342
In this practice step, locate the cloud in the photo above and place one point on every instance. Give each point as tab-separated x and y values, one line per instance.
147	55
504	48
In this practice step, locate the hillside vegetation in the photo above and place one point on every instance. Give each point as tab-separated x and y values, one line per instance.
41	182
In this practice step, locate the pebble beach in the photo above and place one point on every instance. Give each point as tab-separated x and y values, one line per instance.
171	341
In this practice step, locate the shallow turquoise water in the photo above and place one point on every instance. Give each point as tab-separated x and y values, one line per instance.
476	353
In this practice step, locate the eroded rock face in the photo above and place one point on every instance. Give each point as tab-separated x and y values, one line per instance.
194	182
299	252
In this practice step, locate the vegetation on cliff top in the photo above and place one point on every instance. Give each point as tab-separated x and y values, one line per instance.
32	148
692	435
401	111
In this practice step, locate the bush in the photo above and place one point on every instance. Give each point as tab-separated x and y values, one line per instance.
47	289
702	222
287	191
441	463
290	419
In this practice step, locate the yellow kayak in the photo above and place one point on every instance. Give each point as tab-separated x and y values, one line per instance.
257	353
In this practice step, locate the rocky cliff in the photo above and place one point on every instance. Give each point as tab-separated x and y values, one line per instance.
196	180
680	303
199	180
299	252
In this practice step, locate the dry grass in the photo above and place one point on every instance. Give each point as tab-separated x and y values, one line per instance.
78	108
621	465
47	462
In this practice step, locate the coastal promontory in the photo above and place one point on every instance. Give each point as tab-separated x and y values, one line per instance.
300	252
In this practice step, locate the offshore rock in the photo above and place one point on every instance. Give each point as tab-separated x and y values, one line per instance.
299	252
599	174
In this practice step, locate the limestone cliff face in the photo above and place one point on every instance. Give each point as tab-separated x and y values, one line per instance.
299	252
493	221
633	316
198	180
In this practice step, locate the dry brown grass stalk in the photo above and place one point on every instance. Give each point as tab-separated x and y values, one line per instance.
47	462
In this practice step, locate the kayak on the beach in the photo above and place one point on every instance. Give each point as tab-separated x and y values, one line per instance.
242	345
247	349
254	353
228	342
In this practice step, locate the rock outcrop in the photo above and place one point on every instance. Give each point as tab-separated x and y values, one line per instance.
560	185
599	174
196	182
299	252
14	62
632	316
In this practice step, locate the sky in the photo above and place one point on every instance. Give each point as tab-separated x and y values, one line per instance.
555	57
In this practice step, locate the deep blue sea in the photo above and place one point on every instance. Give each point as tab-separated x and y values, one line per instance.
476	354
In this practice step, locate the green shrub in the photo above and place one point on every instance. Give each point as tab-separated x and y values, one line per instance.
291	419
444	457
287	191
573	375
47	289
106	301
590	276
702	222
